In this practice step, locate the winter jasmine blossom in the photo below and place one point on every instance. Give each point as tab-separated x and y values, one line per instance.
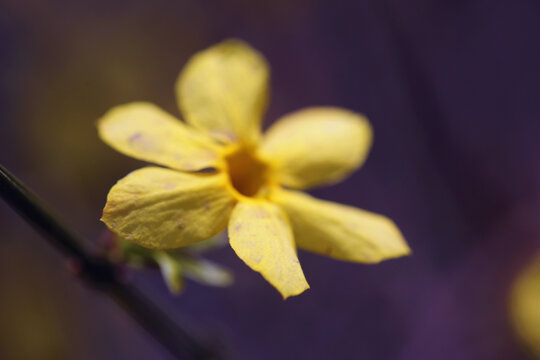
222	172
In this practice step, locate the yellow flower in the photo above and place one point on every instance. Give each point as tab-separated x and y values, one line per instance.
525	306
224	173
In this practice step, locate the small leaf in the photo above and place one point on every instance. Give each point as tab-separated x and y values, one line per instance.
177	263
171	271
206	272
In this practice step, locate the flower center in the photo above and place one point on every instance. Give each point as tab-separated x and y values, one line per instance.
248	174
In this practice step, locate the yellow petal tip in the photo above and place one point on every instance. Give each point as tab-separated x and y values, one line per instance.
285	296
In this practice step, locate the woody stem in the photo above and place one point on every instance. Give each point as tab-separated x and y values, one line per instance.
102	275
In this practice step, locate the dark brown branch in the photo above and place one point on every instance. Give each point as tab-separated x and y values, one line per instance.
103	275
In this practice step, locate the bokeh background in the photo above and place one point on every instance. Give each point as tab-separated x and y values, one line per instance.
452	89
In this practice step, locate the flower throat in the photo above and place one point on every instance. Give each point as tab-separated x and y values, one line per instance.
247	173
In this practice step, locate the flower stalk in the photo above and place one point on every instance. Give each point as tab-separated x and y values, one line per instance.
102	275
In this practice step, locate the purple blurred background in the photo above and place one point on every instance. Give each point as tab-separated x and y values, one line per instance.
452	89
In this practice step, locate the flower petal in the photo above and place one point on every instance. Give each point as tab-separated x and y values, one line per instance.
224	90
162	208
261	236
317	145
145	132
339	231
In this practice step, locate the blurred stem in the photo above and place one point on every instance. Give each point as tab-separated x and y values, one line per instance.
102	275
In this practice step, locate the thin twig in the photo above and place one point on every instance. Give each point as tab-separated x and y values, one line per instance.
103	275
